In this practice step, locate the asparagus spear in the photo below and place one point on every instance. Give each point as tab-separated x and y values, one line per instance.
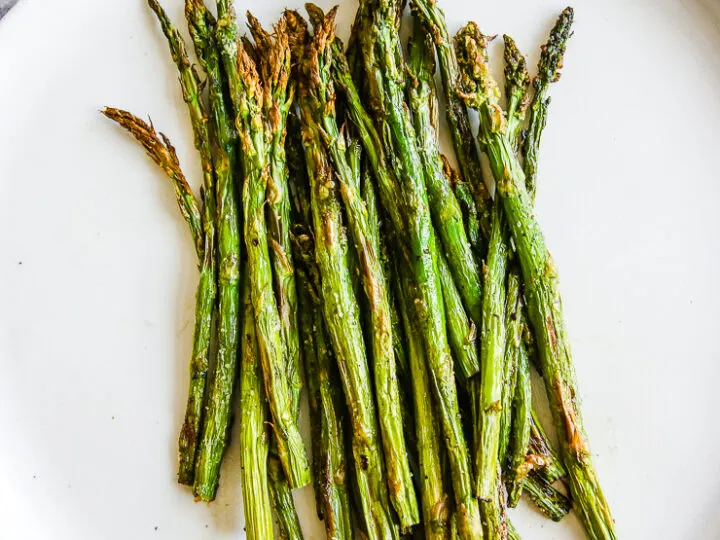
319	98
250	95
343	322
331	481
463	193
342	316
163	153
520	429
552	468
433	498
457	115
385	74
517	82
253	431
551	59
444	207
541	285
275	73
217	413
190	432
513	343
282	501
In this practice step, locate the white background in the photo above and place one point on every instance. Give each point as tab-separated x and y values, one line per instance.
97	271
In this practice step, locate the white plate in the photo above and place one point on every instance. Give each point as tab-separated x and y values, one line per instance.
97	271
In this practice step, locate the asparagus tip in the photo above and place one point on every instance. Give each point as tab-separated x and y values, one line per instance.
551	54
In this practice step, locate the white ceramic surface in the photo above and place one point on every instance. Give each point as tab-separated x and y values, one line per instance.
97	271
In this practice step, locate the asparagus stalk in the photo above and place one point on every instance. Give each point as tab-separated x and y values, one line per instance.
275	73
551	468
541	285
217	413
190	432
282	501
342	316
434	500
463	193
517	83
385	73
520	436
331	481
343	321
163	153
463	141
444	207
254	137
319	98
549	65
513	343
253	431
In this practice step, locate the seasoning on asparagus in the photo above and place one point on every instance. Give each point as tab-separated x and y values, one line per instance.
254	435
541	286
250	96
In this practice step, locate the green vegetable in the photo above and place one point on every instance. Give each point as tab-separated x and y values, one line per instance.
254	138
274	68
190	433
163	153
342	316
385	76
325	394
319	99
254	431
444	207
463	141
541	285
549	65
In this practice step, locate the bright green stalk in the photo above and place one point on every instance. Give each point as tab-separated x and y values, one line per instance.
190	432
434	500
385	73
255	160
275	74
541	287
444	207
490	386
254	431
320	99
331	479
463	141
342	316
551	59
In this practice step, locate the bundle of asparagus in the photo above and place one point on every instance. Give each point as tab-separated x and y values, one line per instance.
410	302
